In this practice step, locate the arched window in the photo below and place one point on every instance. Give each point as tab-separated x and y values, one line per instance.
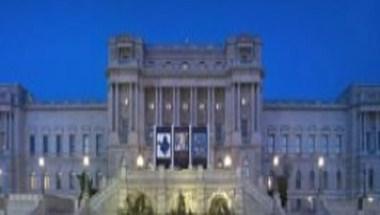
46	181
338	180
325	180
370	179
298	180
312	179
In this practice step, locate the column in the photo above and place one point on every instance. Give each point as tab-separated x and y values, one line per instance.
174	106
110	107
209	106
156	105
178	100
233	107
253	109
238	106
195	120
191	106
365	132
117	106
160	106
136	106
130	107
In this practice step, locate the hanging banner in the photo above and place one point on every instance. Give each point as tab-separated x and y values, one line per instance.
181	147
163	146
199	146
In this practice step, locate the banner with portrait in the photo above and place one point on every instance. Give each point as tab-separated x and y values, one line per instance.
181	147
163	146
199	146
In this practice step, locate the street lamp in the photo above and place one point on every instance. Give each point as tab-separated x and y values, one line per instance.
276	161
227	162
41	164
140	161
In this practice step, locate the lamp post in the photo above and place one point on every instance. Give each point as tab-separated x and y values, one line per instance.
321	164
41	164
227	162
86	164
140	161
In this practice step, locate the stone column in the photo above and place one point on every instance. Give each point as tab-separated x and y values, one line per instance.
195	107
136	106
174	106
130	107
191	106
258	106
238	106
156	106
117	106
110	107
160	106
365	132
233	99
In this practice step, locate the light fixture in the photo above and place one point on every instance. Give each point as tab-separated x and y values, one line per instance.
276	160
201	106
168	106
185	66
227	162
243	101
310	199
151	106
218	106
140	161
370	199
185	106
269	183
41	161
321	162
1	172
126	101
86	161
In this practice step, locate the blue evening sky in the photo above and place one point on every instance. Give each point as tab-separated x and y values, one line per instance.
312	49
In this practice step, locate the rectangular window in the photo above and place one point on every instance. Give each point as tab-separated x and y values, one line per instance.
99	142
32	145
244	131
271	143
284	143
339	147
219	133
71	145
298	144
72	180
323	145
45	144
311	144
86	144
58	145
368	141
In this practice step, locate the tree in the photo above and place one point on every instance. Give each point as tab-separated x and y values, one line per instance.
137	206
85	184
181	207
219	206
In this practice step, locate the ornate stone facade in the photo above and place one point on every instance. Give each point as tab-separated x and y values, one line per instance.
215	87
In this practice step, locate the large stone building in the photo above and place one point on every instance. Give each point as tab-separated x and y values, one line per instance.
176	108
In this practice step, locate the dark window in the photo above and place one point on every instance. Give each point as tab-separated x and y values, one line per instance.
312	179
298	180
71	144
86	144
338	180
45	144
370	179
98	145
58	145
244	131
32	145
219	133
71	180
325	180
58	181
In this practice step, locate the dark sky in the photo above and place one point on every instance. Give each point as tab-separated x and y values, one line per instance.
312	49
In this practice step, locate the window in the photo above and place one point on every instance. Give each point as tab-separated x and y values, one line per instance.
311	144
45	144
312	179
72	180
86	145
298	180
58	181
371	179
271	143
98	180
58	145
46	181
32	145
32	181
338	180
244	131
296	146
98	145
284	143
324	144
368	140
325	180
71	144
219	133
339	144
